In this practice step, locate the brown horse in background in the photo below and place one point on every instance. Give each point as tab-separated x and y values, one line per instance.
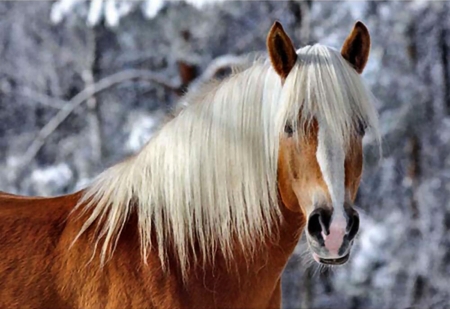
208	213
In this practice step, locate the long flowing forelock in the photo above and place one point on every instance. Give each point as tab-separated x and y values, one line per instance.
324	87
206	180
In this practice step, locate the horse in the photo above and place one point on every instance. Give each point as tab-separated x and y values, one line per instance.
208	213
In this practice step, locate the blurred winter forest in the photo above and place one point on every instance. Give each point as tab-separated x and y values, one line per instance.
84	84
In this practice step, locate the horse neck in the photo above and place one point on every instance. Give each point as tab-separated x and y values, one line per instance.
253	280
289	232
267	262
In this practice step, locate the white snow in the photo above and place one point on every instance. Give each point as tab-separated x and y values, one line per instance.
50	180
61	8
113	10
152	8
141	126
95	12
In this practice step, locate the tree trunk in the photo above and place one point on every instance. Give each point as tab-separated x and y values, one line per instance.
90	76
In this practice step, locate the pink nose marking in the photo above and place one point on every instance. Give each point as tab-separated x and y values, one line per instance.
333	241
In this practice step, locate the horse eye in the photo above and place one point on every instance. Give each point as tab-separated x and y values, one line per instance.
288	129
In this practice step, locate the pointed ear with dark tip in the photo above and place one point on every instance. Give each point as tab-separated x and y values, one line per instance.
356	47
281	50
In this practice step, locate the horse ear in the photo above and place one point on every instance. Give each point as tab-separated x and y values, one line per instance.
281	50
356	47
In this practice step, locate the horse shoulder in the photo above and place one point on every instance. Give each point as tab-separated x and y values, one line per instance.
30	230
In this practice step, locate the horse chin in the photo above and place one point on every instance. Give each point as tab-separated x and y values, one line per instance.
331	261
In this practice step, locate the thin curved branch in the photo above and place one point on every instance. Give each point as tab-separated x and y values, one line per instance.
84	95
217	64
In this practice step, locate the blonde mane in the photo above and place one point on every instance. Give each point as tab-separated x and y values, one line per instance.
208	178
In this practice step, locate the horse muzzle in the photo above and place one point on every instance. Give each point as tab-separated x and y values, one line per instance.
331	238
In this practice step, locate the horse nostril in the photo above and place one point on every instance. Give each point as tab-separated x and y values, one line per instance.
353	226
314	227
318	222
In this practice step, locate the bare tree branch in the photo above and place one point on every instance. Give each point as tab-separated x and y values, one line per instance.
80	98
220	63
42	98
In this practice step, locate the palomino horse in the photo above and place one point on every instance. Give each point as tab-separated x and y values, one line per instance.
207	214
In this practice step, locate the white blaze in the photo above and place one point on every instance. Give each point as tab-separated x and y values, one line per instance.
331	157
